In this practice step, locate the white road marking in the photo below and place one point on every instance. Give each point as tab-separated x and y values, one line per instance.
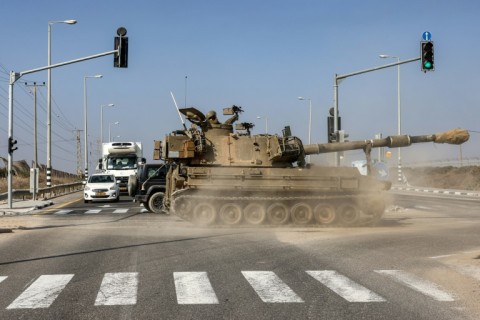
64	211
118	289
194	288
423	286
120	210
344	287
270	288
93	211
2	278
443	256
469	270
42	292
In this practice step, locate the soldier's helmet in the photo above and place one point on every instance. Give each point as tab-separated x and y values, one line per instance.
211	115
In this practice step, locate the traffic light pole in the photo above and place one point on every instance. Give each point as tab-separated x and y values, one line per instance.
13	78
337	80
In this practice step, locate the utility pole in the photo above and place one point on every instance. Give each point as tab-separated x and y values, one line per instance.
79	153
35	154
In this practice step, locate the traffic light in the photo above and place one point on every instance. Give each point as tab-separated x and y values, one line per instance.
11	145
427	56
331	134
342	135
120	58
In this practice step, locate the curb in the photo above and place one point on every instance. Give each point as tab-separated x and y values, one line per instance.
24	210
439	191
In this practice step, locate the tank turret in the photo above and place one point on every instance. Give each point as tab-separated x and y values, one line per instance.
227	176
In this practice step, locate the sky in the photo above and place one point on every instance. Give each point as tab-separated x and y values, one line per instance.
261	55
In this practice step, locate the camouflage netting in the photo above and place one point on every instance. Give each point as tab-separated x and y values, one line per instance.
454	136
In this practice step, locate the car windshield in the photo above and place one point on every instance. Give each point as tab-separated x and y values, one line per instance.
101	179
121	163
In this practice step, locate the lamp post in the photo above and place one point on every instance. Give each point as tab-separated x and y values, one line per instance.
49	100
399	130
85	115
309	123
101	119
110	130
266	122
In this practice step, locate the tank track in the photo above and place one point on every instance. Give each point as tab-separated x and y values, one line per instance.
318	210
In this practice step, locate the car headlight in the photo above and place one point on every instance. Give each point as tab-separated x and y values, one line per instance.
113	187
87	188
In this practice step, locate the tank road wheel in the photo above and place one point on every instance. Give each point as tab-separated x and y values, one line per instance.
348	214
301	213
204	213
278	213
155	202
183	207
324	214
254	213
230	213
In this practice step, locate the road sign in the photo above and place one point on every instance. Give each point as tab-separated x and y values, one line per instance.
427	36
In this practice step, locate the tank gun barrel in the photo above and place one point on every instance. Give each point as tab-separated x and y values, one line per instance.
454	136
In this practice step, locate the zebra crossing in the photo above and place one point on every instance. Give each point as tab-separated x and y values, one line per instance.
76	211
195	288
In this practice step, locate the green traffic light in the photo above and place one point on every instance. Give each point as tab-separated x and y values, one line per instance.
427	65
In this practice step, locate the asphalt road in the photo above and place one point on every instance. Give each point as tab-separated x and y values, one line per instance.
113	261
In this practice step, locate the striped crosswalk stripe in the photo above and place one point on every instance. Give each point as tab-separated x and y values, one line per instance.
2	278
93	211
270	288
194	288
344	287
120	210
118	289
42	292
470	271
64	211
423	286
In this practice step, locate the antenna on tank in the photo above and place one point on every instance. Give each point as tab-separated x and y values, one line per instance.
185	92
179	114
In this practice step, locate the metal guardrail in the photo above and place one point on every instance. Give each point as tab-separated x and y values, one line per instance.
44	193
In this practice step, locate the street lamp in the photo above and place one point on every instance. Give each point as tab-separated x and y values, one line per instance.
110	130
101	119
49	100
266	123
85	115
399	130
309	123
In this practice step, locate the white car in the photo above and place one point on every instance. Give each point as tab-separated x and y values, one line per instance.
101	186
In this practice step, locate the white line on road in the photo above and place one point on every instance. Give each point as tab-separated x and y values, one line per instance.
270	288
42	292
442	256
120	210
64	211
93	211
344	287
194	288
423	286
469	270
2	278
118	289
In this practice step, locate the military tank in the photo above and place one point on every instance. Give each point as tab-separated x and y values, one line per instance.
219	175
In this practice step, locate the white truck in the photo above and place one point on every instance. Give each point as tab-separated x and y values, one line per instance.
121	159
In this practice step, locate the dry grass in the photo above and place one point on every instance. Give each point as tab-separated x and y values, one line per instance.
463	178
23	182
